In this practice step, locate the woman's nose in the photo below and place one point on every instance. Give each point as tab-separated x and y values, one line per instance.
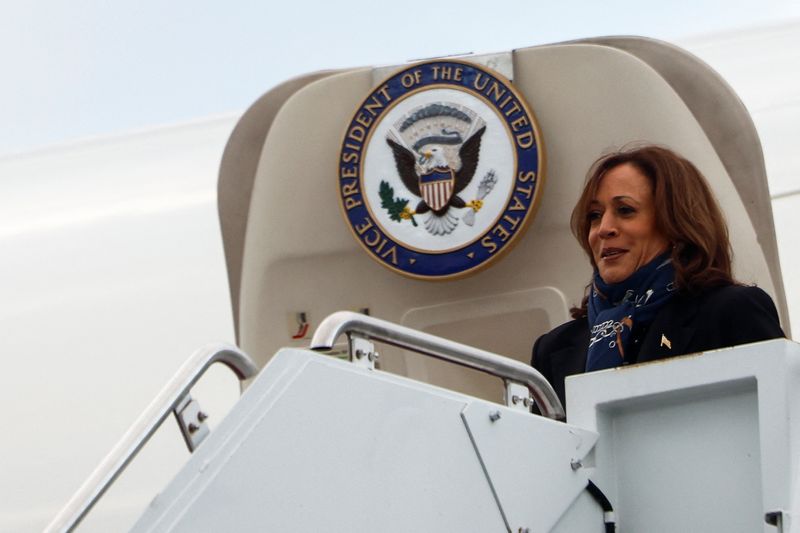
608	227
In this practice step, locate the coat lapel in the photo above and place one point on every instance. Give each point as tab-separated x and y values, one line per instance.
670	333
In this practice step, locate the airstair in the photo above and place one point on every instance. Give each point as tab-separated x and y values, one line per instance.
706	442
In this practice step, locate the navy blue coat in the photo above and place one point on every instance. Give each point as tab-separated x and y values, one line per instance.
717	318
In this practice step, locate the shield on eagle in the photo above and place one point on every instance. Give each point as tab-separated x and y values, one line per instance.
436	187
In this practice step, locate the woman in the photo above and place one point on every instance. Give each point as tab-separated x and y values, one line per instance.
662	271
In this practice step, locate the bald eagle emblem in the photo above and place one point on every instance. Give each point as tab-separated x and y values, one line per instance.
436	150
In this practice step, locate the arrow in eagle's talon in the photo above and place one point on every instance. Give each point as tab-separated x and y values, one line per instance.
475	205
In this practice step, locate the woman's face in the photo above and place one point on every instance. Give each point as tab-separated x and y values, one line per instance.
622	234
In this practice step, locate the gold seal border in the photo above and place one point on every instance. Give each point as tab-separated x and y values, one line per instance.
529	215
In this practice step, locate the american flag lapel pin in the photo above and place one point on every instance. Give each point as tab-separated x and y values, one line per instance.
666	342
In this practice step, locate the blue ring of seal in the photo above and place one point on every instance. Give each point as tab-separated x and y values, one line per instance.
493	90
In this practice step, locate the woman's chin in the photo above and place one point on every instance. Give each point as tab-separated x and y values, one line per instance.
615	274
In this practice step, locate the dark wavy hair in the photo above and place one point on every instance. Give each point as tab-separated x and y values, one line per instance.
687	214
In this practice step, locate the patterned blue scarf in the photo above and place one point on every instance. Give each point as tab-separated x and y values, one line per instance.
614	310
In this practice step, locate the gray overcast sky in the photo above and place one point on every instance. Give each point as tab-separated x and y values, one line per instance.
97	67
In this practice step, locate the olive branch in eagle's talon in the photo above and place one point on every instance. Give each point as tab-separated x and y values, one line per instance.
397	207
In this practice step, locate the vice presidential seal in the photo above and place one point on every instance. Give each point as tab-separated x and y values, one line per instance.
440	169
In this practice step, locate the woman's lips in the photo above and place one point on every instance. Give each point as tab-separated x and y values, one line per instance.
611	253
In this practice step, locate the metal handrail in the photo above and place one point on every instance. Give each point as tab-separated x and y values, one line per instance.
144	427
509	369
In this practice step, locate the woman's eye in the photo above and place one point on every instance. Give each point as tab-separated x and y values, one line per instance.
625	210
593	216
